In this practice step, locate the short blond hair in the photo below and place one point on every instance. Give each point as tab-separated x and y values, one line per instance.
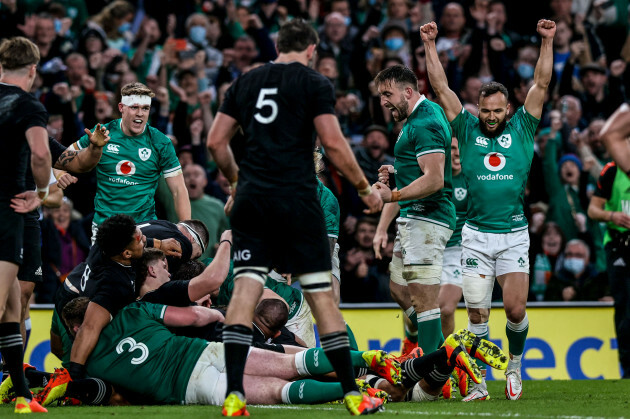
136	88
17	53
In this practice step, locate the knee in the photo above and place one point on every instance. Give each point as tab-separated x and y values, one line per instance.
515	314
447	309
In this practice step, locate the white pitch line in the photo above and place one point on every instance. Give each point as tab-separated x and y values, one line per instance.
442	413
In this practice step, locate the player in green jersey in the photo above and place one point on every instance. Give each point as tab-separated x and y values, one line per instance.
427	215
496	157
132	163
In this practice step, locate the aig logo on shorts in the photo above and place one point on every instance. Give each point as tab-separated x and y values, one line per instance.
494	161
125	168
242	255
460	194
505	140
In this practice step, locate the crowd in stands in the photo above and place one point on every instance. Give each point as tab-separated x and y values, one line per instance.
189	51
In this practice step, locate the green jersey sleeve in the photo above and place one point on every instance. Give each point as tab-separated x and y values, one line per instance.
527	123
153	311
169	164
463	124
330	207
429	139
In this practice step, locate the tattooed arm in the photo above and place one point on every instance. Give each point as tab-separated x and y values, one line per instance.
84	160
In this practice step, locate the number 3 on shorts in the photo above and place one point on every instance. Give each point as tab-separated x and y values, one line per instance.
262	102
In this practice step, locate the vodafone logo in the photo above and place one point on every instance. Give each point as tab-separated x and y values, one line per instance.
127	168
494	161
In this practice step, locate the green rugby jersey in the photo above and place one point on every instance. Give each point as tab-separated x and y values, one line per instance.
426	131
496	170
330	207
292	296
129	170
136	351
460	200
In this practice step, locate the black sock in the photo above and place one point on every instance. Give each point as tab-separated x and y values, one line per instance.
416	369
13	356
336	346
37	378
89	391
236	340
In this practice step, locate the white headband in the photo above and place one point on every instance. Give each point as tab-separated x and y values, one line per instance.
135	100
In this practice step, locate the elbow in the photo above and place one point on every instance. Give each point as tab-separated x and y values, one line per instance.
438	184
591	212
40	157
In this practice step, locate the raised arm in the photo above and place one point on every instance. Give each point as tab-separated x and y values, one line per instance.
437	77
544	68
213	276
615	135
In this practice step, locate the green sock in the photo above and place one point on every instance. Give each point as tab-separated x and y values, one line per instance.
311	392
429	330
517	334
314	362
352	339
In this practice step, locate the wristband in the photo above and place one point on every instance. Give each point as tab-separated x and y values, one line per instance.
363	184
365	192
42	193
76	370
395	196
227	241
233	182
157	243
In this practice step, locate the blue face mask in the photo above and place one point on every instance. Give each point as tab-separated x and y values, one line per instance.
573	265
347	20
394	44
198	34
124	27
526	71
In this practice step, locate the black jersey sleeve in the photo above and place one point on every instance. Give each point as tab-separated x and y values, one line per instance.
56	149
32	113
605	181
173	293
323	94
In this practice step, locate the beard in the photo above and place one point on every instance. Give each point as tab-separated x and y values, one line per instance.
496	132
403	110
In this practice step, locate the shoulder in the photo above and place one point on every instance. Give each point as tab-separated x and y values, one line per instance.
609	170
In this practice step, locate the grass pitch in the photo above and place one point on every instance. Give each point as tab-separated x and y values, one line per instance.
541	399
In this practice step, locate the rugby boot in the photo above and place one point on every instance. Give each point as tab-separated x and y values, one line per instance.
482	349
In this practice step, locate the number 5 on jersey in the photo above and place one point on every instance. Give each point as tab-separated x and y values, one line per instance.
263	102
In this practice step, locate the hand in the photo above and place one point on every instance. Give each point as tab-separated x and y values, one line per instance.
65	180
99	137
171	247
617	68
204	301
577	48
379	242
253	21
200	60
28	28
479	11
621	219
383	173
196	128
288	277
229	55
371	33
580	222
162	96
66	23
546	28
205	98
88	83
428	32
25	202
373	201
354	257
62	90
228	206
568	293
181	93
362	270
226	235
383	191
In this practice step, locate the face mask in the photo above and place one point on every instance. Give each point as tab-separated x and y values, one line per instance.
57	26
198	34
526	71
347	20
394	44
574	265
124	27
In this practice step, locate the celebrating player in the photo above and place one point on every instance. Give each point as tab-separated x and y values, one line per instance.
277	106
496	156
427	215
133	161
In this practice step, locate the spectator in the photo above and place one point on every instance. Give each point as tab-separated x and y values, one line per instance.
336	39
115	20
546	249
577	279
373	152
64	245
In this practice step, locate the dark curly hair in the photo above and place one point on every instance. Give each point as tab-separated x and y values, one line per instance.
115	234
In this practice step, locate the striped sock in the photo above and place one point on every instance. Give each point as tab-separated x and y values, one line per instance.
336	346
311	391
429	330
517	334
92	391
13	356
236	340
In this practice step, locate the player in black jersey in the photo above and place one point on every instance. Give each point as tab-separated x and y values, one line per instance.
279	106
22	126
